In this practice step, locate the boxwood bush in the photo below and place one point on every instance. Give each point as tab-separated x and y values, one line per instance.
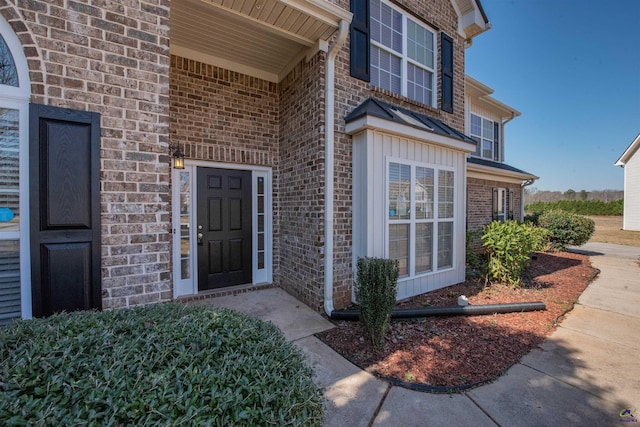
164	364
567	228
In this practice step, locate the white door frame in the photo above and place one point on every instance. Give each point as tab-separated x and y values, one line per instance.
189	285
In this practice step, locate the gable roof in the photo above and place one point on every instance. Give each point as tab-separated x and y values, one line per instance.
629	152
382	110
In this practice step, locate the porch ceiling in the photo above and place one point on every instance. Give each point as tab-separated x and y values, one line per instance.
263	38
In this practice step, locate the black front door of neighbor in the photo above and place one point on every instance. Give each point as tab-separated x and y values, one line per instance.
64	170
223	228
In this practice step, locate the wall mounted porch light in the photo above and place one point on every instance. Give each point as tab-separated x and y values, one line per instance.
178	156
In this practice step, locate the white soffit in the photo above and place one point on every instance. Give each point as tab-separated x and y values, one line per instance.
480	96
257	37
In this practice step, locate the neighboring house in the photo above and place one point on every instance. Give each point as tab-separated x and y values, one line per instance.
301	122
630	161
495	190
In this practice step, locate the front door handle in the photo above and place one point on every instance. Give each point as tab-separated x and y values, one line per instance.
200	235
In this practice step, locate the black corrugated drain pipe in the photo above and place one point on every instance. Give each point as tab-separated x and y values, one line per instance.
468	310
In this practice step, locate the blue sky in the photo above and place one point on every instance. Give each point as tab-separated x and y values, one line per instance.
572	68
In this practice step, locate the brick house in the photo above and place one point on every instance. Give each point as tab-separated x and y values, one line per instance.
495	189
313	132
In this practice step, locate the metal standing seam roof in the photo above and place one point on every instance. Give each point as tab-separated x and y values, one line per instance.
383	110
497	165
376	108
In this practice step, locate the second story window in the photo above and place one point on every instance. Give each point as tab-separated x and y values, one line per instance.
487	134
402	54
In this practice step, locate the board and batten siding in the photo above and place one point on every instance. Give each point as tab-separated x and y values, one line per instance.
371	149
631	219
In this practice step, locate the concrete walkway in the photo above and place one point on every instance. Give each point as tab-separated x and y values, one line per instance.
586	373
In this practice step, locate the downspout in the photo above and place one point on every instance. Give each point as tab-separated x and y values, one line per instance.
524	184
329	132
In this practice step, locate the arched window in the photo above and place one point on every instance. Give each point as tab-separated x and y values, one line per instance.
15	298
8	70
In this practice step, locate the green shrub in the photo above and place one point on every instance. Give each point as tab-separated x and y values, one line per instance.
157	365
580	207
567	228
376	286
474	262
509	245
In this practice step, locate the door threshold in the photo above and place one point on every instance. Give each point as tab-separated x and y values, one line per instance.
221	292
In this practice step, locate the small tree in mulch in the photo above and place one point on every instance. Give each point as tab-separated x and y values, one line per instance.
567	228
509	245
376	287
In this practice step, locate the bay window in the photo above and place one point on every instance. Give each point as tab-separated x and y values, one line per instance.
420	202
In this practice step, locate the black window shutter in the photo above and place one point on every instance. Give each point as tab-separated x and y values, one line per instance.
495	204
496	141
360	40
446	57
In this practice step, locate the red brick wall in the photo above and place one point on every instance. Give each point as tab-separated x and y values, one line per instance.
301	188
113	58
480	201
223	116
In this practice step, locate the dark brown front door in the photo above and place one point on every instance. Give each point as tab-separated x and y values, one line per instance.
64	156
224	228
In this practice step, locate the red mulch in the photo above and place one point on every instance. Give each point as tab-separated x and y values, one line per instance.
463	350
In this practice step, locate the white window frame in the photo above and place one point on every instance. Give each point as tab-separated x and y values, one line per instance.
482	138
404	56
413	221
18	98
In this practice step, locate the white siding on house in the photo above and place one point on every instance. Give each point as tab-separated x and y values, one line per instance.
632	193
487	114
371	149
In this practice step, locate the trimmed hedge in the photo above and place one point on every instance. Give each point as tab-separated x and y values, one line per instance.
165	364
376	286
580	207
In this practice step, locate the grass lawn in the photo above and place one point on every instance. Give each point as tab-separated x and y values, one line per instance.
609	230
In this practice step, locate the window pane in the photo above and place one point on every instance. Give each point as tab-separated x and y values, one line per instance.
445	245
385	70
8	70
476	125
424	247
487	149
399	246
419	44
9	170
260	189
419	87
487	129
424	193
445	194
386	26
502	194
10	307
185	220
399	191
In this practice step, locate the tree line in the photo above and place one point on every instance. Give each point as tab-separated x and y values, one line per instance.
532	195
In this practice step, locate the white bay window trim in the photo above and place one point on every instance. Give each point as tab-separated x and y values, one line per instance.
411	219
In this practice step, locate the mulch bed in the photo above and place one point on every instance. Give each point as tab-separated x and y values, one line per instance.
449	353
